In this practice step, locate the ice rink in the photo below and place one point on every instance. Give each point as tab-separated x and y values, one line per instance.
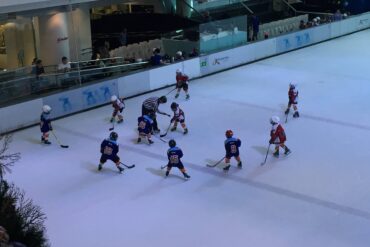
317	196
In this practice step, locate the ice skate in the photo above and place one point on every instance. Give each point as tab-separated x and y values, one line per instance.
226	168
240	165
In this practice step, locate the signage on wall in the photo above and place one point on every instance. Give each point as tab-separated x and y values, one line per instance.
62	39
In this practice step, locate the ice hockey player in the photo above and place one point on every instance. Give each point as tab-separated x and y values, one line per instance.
145	128
150	108
174	155
232	145
109	150
45	124
178	116
293	100
278	136
118	106
182	81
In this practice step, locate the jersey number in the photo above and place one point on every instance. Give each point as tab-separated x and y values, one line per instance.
108	150
142	125
233	149
174	159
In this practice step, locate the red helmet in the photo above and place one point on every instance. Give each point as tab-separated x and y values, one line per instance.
229	133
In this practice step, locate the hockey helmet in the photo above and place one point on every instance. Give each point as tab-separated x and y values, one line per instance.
46	109
113	98
174	106
229	133
113	136
292	85
274	120
178	71
163	99
172	143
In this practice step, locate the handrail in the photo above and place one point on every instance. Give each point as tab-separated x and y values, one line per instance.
191	7
305	12
313	13
94	60
246	7
73	71
290	6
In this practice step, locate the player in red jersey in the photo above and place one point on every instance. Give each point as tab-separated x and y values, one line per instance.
182	81
118	106
293	100
278	136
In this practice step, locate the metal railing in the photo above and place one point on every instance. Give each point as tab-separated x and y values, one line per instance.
326	17
23	86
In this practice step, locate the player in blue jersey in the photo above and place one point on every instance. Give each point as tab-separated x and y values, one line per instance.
109	150
174	155
232	149
45	124
145	125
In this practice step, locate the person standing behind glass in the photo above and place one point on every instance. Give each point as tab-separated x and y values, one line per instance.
256	27
39	68
64	66
123	37
156	59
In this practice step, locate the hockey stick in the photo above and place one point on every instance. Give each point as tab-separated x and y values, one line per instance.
287	114
163	135
129	167
171	91
56	138
286	118
268	149
160	138
112	128
162	167
218	162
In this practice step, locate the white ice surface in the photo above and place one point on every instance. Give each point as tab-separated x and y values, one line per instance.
318	196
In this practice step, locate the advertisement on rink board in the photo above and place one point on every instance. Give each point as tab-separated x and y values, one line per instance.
81	98
293	41
214	62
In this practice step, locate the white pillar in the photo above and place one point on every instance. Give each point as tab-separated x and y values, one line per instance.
80	34
54	39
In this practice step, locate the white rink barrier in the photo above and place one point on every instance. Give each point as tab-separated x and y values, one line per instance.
76	100
20	115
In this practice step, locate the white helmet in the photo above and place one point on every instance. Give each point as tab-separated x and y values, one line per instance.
179	53
46	109
113	98
178	71
274	120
